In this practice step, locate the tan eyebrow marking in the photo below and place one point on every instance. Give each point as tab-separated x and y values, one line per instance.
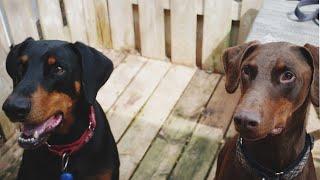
51	60
24	59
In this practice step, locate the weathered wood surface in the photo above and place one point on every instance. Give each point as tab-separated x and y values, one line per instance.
76	20
103	23
22	23
51	19
137	93
152	31
272	24
121	24
183	32
196	160
177	129
118	81
216	29
6	87
146	125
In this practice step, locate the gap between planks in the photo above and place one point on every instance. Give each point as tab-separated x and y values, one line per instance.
147	124
200	152
177	128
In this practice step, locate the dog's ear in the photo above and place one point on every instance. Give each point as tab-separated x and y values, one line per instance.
314	89
96	69
14	53
232	58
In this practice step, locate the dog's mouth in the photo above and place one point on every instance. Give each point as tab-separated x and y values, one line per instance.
32	136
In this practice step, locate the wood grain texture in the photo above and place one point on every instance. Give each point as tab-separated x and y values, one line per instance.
183	31
151	19
135	96
51	19
249	11
148	122
118	81
121	24
169	143
103	24
76	20
89	11
4	36
216	29
199	153
7	127
21	21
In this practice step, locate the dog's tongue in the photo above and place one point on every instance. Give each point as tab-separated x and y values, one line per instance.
47	126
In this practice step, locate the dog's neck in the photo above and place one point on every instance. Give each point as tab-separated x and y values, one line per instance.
278	152
81	122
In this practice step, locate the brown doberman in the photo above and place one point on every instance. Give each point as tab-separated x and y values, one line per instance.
277	80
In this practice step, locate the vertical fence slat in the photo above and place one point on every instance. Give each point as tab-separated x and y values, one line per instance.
90	22
21	21
51	19
121	23
76	22
183	32
5	82
216	29
151	19
4	41
102	16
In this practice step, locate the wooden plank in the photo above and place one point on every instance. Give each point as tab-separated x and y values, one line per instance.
169	143
115	56
147	124
118	81
212	173
76	20
103	24
10	162
183	32
130	102
216	29
121	24
4	36
151	19
91	25
200	151
249	11
236	10
51	19
21	21
6	88
313	123
9	143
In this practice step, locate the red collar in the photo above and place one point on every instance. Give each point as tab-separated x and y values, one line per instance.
60	150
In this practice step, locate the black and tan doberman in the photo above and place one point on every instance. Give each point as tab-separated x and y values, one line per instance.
64	129
277	80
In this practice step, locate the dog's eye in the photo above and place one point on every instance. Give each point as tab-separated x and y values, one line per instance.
58	70
287	77
246	70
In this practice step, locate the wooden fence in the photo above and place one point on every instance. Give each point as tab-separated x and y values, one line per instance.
189	32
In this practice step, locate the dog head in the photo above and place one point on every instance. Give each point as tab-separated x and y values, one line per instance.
49	78
275	79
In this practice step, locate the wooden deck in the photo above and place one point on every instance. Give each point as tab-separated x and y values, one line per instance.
169	120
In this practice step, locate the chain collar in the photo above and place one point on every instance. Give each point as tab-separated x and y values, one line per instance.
288	173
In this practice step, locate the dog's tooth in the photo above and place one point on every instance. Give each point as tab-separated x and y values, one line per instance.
36	134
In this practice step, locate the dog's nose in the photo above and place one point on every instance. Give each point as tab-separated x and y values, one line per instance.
16	108
247	120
